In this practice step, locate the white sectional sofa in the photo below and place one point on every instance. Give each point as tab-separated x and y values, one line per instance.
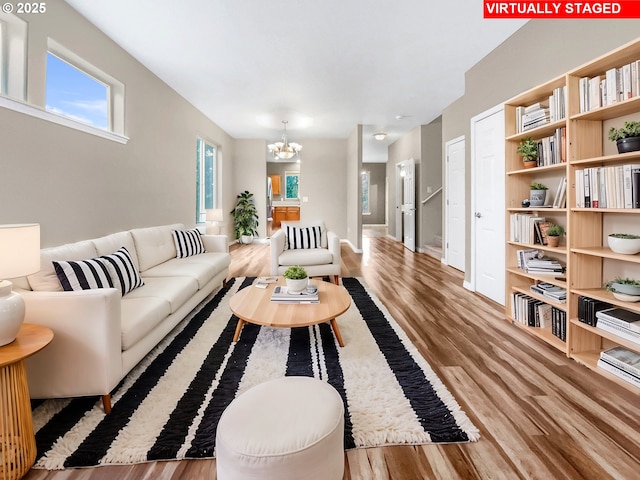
100	335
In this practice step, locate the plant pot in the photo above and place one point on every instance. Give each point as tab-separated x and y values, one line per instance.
629	144
297	285
553	241
625	289
246	239
530	163
628	246
537	197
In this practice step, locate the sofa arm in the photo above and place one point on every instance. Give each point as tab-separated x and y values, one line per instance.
85	355
215	243
333	244
277	247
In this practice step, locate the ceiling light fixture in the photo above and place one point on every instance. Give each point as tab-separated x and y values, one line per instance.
380	136
284	149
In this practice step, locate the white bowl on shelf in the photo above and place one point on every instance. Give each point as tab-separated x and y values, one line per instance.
627	246
624	297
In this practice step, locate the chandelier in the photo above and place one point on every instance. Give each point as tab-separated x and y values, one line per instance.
284	149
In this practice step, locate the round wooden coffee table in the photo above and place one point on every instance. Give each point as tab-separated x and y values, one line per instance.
17	441
254	305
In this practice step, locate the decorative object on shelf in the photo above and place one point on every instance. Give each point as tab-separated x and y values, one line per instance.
296	278
553	235
537	194
528	149
625	243
284	149
624	289
19	256
215	217
627	138
245	217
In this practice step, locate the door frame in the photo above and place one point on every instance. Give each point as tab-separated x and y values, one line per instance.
470	284
447	177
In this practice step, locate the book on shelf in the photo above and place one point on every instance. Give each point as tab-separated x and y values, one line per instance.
616	85
282	294
559	200
623	359
623	318
615	186
550	291
608	326
588	308
618	372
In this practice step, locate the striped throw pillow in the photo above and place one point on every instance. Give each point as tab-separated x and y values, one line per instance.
303	237
124	273
188	243
83	274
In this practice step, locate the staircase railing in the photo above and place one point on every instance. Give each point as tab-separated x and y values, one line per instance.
431	196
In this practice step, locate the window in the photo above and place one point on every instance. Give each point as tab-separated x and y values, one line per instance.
75	94
366	183
291	184
205	179
80	91
13	56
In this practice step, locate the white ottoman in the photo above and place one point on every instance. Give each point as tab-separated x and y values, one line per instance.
286	429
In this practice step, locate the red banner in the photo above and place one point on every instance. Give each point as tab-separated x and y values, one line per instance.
562	9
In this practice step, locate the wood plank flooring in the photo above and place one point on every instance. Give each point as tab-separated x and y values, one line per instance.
540	415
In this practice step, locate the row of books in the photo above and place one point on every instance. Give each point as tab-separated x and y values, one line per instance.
541	113
282	294
588	307
526	228
620	322
548	290
616	85
553	149
616	186
532	312
533	261
621	362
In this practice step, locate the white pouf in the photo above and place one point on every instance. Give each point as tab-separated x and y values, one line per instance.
285	429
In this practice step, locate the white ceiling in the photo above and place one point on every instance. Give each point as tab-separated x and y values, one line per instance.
323	65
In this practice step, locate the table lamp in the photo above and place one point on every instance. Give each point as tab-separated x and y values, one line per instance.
19	256
214	218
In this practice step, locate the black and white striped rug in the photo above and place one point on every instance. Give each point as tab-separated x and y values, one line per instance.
168	407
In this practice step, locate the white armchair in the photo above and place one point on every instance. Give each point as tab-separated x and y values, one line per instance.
308	244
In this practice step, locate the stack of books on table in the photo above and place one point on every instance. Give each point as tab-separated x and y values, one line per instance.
620	322
281	294
622	363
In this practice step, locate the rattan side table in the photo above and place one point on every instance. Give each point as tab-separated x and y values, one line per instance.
17	440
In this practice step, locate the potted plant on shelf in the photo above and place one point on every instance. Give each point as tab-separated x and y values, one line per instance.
296	278
626	243
553	235
245	217
528	149
627	138
625	289
537	194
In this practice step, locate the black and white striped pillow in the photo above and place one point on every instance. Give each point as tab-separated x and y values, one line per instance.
188	243
303	237
83	274
124	273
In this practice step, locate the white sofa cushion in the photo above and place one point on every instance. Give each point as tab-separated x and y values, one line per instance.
110	243
139	316
154	245
176	290
303	257
201	267
46	279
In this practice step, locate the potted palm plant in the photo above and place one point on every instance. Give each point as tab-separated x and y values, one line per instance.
627	138
245	217
528	149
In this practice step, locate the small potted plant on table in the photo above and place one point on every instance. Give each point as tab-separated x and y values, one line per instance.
627	138
296	278
528	149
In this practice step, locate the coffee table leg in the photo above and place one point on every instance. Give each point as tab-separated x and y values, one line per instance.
236	335
336	331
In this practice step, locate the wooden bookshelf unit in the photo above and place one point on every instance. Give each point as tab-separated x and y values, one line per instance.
589	261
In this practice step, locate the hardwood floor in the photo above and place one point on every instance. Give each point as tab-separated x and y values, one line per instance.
540	414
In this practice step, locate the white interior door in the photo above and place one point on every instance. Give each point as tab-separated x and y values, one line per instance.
409	204
454	247
487	173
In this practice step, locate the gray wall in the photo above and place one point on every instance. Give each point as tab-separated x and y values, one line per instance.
78	185
553	47
377	193
250	156
430	214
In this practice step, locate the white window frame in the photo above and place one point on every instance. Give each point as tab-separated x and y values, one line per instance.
13	56
201	210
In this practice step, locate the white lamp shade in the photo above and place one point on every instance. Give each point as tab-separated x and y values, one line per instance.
215	215
19	250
